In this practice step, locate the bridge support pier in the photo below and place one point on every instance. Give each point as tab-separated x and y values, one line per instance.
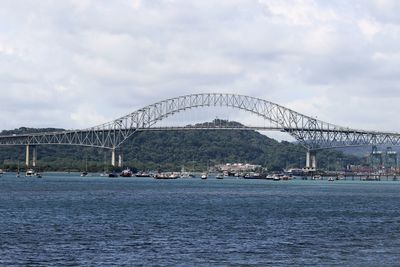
311	160
113	157
34	156
120	161
27	156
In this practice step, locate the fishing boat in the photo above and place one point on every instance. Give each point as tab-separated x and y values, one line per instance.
331	179
126	173
219	176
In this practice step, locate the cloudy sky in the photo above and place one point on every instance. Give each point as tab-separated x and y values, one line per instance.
79	63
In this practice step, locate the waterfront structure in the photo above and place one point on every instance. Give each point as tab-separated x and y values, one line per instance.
237	167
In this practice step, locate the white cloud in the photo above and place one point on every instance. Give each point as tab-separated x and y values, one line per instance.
78	63
299	12
136	4
85	115
369	28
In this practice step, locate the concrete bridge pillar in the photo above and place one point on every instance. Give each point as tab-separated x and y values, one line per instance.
34	156
311	160
27	156
113	157
120	161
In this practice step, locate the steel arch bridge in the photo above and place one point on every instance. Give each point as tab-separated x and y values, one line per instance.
312	133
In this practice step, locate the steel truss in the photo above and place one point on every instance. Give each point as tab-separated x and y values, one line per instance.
310	132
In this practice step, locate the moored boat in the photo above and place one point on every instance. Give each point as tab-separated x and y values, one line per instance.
165	176
254	175
204	176
184	175
30	173
113	174
126	173
317	177
173	176
142	174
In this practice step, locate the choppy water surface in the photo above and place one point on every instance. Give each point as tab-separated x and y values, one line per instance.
64	220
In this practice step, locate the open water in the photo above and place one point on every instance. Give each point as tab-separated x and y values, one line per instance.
67	221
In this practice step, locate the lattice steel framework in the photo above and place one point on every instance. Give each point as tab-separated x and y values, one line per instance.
312	133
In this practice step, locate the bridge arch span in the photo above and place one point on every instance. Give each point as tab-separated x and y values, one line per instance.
311	133
284	119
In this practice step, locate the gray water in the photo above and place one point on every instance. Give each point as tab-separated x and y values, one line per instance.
62	220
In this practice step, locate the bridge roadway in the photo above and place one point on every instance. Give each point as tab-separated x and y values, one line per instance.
312	133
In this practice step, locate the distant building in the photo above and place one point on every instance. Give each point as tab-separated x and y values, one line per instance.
237	167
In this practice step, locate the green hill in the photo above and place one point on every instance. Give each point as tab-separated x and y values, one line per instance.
170	150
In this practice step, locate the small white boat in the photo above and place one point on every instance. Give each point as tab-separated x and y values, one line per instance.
331	179
317	177
204	176
173	176
30	173
269	177
84	174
